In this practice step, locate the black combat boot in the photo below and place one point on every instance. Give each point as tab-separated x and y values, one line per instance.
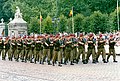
22	60
104	61
59	64
53	63
115	60
9	58
97	60
31	61
49	63
94	61
17	60
40	62
77	61
84	62
35	61
65	62
71	63
3	58
107	60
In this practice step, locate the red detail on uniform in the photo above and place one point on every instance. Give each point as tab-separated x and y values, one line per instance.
81	35
91	35
100	35
111	35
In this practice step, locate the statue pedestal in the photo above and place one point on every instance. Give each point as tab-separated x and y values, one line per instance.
17	26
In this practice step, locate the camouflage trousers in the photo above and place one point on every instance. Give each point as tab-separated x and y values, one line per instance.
46	53
38	55
101	51
91	51
81	52
56	56
112	51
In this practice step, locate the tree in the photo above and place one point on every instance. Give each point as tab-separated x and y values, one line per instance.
63	23
69	25
47	26
87	24
78	23
99	21
56	8
34	26
113	20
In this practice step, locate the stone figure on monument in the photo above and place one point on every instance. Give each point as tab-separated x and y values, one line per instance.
17	26
18	14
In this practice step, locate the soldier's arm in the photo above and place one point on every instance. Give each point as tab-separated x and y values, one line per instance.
90	41
5	42
81	42
46	44
18	44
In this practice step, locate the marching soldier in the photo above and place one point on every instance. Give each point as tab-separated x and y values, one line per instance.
24	48
91	48
112	43
19	49
1	46
57	54
101	49
62	48
74	47
38	49
68	48
13	47
51	46
81	48
33	46
28	52
46	50
7	48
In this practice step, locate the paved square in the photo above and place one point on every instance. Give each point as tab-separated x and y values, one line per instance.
18	71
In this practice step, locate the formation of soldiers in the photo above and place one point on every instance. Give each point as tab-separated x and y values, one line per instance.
57	49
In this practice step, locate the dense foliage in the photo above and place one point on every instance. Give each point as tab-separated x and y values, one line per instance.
89	15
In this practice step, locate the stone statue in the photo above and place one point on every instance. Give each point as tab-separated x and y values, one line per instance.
17	9
18	14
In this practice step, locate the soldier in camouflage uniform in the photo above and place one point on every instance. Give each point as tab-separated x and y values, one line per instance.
101	49
91	48
24	49
33	46
62	48
7	48
68	48
28	52
38	49
46	50
19	48
74	47
13	47
57	54
1	46
81	48
51	46
112	43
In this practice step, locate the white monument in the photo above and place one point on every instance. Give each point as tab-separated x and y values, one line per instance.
17	26
2	27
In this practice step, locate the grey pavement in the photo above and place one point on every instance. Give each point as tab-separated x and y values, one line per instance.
20	71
